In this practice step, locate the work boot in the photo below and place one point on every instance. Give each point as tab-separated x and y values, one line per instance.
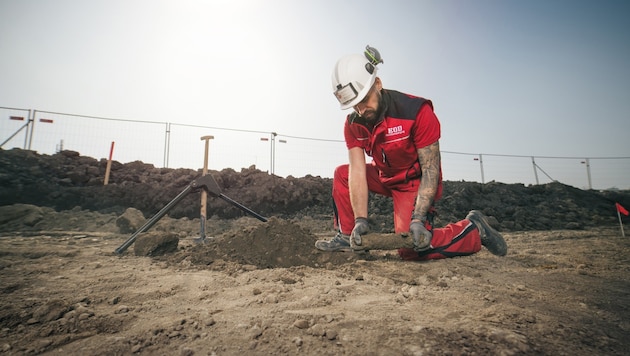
490	237
340	242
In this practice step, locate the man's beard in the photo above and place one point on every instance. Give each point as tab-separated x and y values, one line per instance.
369	115
372	115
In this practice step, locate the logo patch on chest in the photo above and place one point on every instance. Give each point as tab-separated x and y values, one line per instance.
395	130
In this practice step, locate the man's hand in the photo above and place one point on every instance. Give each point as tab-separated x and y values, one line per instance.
421	236
361	227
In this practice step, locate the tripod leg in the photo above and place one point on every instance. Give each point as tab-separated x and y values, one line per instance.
243	207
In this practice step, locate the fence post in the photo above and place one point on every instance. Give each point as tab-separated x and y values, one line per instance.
167	144
273	152
588	172
535	169
28	126
481	165
30	140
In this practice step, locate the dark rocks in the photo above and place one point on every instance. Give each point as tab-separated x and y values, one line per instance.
66	180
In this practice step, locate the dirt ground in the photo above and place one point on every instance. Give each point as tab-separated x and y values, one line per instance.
262	289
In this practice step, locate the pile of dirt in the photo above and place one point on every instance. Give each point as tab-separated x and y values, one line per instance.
275	244
67	181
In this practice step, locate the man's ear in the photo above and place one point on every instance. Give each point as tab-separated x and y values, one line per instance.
378	83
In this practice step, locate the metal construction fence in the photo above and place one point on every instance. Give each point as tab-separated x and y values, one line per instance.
175	145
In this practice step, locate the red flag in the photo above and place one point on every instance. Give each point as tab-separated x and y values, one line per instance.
621	209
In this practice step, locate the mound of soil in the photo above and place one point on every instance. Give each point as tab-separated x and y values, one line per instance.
67	180
275	244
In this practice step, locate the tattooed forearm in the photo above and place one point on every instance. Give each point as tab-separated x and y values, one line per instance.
429	158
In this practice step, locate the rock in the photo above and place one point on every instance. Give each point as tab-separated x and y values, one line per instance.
28	214
69	153
255	332
130	221
187	352
50	311
122	309
84	316
155	244
271	299
79	177
318	330
80	309
331	334
301	324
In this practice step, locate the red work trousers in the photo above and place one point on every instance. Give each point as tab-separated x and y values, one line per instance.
455	239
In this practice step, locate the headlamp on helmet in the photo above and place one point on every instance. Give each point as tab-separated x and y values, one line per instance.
346	93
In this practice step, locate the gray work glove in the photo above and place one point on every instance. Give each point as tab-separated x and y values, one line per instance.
361	227
421	236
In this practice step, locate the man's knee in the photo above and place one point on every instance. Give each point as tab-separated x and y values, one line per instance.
341	172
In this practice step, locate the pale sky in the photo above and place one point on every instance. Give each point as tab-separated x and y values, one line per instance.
539	78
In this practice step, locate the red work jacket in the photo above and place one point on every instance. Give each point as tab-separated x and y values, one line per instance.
406	124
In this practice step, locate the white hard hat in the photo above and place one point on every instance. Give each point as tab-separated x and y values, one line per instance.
354	75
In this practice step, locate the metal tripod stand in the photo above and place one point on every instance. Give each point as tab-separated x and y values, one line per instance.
207	183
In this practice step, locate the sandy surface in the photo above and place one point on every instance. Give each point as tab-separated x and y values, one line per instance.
263	289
